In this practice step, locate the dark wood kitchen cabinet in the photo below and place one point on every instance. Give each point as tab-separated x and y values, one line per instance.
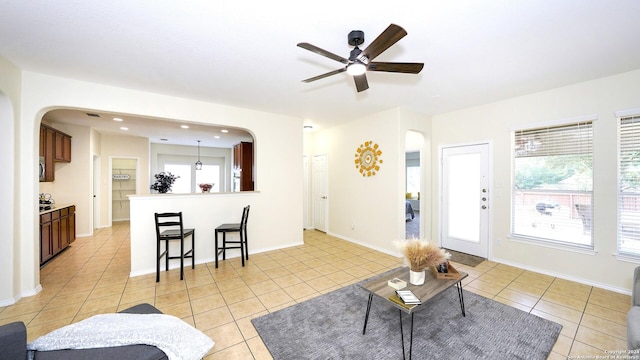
55	146
56	247
62	147
57	231
48	140
46	251
243	165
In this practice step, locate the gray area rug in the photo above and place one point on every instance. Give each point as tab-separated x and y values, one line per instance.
330	327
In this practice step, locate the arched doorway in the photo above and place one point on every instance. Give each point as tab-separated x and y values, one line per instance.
414	143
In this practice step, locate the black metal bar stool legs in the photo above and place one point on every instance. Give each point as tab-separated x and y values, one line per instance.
241	244
169	227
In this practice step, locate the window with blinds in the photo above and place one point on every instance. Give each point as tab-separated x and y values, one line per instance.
553	184
629	186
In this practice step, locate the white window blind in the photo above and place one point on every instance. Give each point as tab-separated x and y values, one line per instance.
629	186
553	183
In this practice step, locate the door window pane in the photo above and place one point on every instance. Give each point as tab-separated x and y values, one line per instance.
464	210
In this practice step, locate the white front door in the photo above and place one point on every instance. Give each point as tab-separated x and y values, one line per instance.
320	196
465	199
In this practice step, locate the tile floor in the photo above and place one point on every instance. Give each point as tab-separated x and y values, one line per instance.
91	277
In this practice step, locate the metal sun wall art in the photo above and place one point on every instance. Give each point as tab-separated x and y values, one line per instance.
368	158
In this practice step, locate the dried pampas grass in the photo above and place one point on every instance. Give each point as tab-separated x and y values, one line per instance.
421	254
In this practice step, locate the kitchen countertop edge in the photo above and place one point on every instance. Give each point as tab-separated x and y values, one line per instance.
56	207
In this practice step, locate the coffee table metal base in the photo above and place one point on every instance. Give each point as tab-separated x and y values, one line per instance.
366	319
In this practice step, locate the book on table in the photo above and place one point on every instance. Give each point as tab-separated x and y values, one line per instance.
397	284
398	301
408	297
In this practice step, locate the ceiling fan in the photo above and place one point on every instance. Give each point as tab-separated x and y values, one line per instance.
360	61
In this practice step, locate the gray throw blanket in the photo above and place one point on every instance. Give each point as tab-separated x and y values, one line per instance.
176	338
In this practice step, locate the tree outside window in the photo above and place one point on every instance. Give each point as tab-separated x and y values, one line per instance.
553	183
629	186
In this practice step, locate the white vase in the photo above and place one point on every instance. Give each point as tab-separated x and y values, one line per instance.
416	277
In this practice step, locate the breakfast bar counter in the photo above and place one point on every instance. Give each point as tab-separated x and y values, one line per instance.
267	229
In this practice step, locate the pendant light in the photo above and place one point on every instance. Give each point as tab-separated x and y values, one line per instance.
198	163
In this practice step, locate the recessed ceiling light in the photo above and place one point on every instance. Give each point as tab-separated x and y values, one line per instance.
216	137
184	126
124	128
224	131
117	119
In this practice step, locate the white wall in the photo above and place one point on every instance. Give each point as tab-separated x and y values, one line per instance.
277	153
494	121
374	205
10	186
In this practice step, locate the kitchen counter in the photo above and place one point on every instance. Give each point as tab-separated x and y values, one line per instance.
55	207
57	230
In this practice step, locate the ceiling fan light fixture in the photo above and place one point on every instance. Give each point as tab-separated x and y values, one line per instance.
361	61
356	69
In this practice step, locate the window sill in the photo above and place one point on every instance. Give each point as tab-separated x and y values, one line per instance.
581	249
627	258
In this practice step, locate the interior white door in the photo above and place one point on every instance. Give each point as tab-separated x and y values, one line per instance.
96	190
465	199
320	196
306	223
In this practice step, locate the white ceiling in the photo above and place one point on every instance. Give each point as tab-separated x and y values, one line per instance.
243	53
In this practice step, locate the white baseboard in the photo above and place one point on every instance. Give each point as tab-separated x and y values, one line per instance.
232	255
386	251
563	276
11	301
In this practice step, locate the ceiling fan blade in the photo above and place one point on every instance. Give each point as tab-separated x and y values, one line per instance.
323	52
361	82
389	36
407	68
338	71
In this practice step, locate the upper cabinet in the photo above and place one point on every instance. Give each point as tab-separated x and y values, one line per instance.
47	140
243	166
55	146
63	147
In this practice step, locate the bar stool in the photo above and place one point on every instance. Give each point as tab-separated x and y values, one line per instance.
169	227
235	227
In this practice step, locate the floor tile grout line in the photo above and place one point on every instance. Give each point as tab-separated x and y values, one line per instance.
317	247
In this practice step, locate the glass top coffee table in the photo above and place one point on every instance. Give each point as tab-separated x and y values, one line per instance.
432	286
